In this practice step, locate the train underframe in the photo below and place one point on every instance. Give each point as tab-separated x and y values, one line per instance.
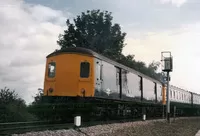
98	109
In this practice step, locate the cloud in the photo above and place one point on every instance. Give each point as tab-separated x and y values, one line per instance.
28	33
183	44
21	61
154	16
177	3
137	15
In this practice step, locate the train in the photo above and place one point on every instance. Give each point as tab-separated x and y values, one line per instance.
81	75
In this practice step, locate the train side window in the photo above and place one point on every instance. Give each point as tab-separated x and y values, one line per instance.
51	69
180	96
177	96
101	72
84	69
174	95
170	93
117	76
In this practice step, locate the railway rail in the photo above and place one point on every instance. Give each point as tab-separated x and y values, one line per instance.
23	127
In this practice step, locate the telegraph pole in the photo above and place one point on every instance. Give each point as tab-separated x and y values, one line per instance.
166	58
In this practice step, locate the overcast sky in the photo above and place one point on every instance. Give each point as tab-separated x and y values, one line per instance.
29	30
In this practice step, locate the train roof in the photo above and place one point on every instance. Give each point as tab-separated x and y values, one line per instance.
80	50
175	87
185	90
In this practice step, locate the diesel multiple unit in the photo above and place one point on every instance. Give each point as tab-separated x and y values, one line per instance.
84	73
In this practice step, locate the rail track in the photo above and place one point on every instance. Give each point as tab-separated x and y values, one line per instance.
23	127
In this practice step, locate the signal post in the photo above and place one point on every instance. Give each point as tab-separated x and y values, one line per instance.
167	62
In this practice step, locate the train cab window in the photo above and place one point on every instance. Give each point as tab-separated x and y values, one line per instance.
51	69
84	69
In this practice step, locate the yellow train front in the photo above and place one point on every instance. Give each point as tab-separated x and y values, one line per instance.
69	73
80	72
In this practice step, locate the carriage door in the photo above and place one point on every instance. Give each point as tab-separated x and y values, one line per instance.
99	76
119	82
155	92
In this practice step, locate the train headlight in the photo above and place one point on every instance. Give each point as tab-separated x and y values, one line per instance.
83	91
50	90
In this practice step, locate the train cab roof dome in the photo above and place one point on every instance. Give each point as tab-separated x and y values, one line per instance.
73	50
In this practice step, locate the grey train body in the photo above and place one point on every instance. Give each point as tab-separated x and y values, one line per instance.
116	81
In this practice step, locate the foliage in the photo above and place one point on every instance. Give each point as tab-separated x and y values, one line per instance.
13	108
141	66
94	30
7	96
38	98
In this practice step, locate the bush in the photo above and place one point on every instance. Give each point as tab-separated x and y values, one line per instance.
13	108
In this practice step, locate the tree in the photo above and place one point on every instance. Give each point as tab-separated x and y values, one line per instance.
38	98
152	69
154	66
12	107
94	30
7	96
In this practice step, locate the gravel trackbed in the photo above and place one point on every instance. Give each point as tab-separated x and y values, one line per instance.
179	127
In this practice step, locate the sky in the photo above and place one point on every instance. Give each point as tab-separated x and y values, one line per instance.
29	30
